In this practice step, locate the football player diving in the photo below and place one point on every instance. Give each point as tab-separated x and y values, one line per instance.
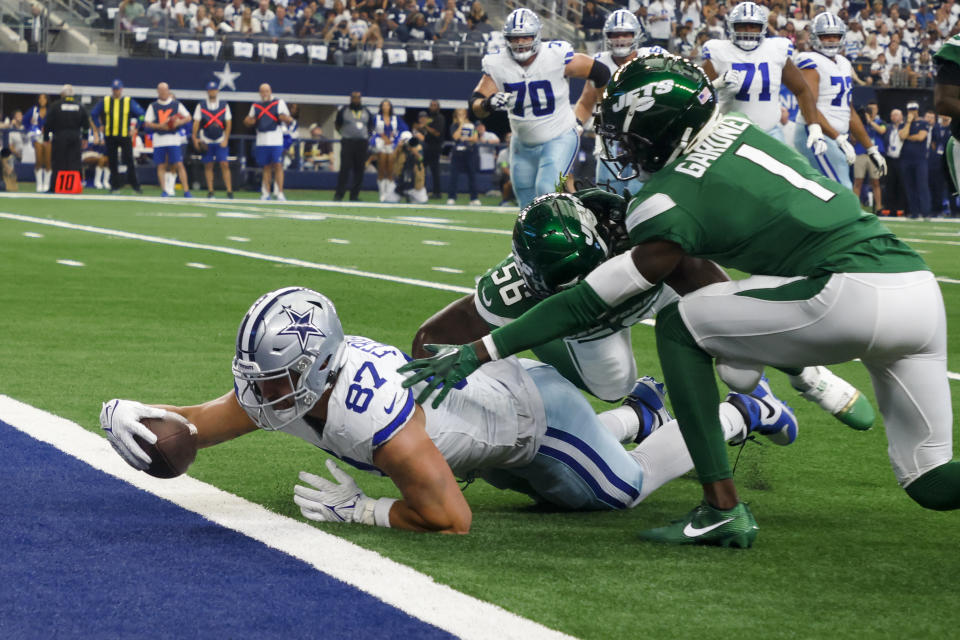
528	80
828	283
517	424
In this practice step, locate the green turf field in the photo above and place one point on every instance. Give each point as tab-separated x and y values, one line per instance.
152	313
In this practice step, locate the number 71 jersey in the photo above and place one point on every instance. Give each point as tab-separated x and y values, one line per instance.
539	108
762	69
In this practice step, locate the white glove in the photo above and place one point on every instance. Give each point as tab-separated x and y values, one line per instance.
121	420
815	140
729	83
498	101
878	160
340	501
847	148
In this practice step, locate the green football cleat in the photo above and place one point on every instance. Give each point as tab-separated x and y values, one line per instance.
705	525
836	396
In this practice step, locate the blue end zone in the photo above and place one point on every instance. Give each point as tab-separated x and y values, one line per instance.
87	555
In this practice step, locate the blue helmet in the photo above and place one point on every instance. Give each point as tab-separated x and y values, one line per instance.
827	24
522	23
621	22
747	13
289	346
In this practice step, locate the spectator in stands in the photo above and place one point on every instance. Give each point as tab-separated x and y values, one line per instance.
307	26
463	158
354	123
344	46
913	162
880	71
855	40
432	12
160	13
233	11
690	11
219	24
263	14
246	23
185	11
871	49
266	115
478	15
922	72
660	19
684	43
937	170
591	22
433	126
359	25
37	27
128	11
281	26
387	127
862	167
415	28
451	26
201	22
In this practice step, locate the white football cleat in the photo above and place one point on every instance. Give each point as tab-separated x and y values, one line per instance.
836	396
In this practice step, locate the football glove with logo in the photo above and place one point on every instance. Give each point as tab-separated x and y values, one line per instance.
815	140
847	148
121	420
497	102
873	153
452	364
340	501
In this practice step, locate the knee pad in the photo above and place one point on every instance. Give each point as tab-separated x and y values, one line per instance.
742	377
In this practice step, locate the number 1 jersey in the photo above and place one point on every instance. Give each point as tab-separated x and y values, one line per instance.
540	93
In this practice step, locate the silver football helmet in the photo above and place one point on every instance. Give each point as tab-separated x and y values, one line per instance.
747	13
522	23
289	346
617	32
827	24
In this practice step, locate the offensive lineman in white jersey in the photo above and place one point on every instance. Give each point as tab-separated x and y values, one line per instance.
622	35
830	78
518	424
529	81
750	68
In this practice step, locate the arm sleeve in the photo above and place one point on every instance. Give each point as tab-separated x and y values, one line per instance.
338	121
95	113
560	315
136	109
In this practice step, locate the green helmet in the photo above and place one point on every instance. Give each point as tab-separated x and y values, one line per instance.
652	110
556	242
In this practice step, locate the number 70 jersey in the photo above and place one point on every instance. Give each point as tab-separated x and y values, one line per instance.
761	69
539	108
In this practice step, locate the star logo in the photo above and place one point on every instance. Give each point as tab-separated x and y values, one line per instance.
301	325
226	77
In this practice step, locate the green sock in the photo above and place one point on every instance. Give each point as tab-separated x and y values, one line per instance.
938	488
689	375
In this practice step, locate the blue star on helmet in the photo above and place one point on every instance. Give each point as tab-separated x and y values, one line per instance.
301	325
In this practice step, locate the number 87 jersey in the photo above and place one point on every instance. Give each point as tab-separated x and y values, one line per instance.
761	69
539	108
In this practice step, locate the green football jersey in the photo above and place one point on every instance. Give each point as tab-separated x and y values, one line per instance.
949	51
749	202
502	297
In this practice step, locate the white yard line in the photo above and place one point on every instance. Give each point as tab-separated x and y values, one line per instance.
116	233
396	584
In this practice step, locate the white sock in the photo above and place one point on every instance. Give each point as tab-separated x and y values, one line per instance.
265	190
106	177
807	379
622	423
47	175
38	176
170	182
98	177
663	454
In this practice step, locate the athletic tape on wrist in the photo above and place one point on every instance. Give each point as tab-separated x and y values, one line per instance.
491	347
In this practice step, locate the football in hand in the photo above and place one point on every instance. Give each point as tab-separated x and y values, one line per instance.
175	449
174	122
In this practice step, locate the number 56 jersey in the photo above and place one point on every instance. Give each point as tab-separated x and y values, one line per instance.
540	102
495	420
762	70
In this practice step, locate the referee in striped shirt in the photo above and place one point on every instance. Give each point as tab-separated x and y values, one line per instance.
112	116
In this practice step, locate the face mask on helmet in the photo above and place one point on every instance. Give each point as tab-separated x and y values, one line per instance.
653	109
522	34
556	243
622	33
747	25
289	348
827	34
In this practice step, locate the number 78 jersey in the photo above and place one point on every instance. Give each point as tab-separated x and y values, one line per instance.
835	89
539	108
761	69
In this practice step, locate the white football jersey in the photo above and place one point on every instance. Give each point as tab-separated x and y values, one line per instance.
496	419
759	95
540	107
606	57
836	87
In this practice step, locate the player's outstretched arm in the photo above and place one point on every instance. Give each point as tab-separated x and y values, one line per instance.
485	90
456	323
583	66
217	420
